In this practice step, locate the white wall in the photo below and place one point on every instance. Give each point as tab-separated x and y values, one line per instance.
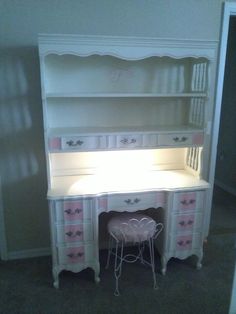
21	138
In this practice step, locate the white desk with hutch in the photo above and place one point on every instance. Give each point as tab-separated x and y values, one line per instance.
127	128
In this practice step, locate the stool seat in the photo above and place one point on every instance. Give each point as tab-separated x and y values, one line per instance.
131	227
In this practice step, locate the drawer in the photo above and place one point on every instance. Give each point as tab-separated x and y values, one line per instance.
186	223
83	142
129	141
180	139
72	210
76	254
74	233
77	143
133	201
192	200
185	242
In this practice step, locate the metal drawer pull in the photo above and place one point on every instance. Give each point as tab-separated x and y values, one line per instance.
184	243
71	234
69	211
74	143
183	223
126	141
180	139
130	202
185	202
73	255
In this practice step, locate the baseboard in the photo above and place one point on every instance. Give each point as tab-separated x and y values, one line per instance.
29	253
225	187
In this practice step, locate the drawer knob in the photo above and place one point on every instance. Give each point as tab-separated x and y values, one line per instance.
180	139
130	202
74	143
127	141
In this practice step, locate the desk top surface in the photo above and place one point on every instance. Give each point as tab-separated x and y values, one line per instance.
94	185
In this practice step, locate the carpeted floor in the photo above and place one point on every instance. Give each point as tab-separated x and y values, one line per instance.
26	285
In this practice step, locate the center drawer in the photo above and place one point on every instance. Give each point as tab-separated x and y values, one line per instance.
135	201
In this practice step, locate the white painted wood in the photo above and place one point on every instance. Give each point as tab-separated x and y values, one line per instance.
131	48
104	93
111	182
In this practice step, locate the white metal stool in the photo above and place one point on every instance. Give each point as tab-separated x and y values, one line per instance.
131	228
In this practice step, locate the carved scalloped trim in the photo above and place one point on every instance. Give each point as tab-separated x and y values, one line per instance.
85	46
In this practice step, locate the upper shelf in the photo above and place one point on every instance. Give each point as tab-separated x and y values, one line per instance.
125	47
106	76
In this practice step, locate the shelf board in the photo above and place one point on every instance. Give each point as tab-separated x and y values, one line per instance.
125	95
84	131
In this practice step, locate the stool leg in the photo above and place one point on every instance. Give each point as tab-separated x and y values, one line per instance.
118	266
109	252
152	259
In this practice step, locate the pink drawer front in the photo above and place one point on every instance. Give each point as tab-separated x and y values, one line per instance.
76	254
54	143
187	222
184	201
186	242
74	233
72	210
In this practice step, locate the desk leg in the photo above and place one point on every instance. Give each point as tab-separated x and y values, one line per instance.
55	277
97	272
163	265
199	260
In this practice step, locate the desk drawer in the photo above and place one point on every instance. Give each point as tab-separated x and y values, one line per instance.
134	201
186	223
74	233
72	210
187	242
76	254
191	200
